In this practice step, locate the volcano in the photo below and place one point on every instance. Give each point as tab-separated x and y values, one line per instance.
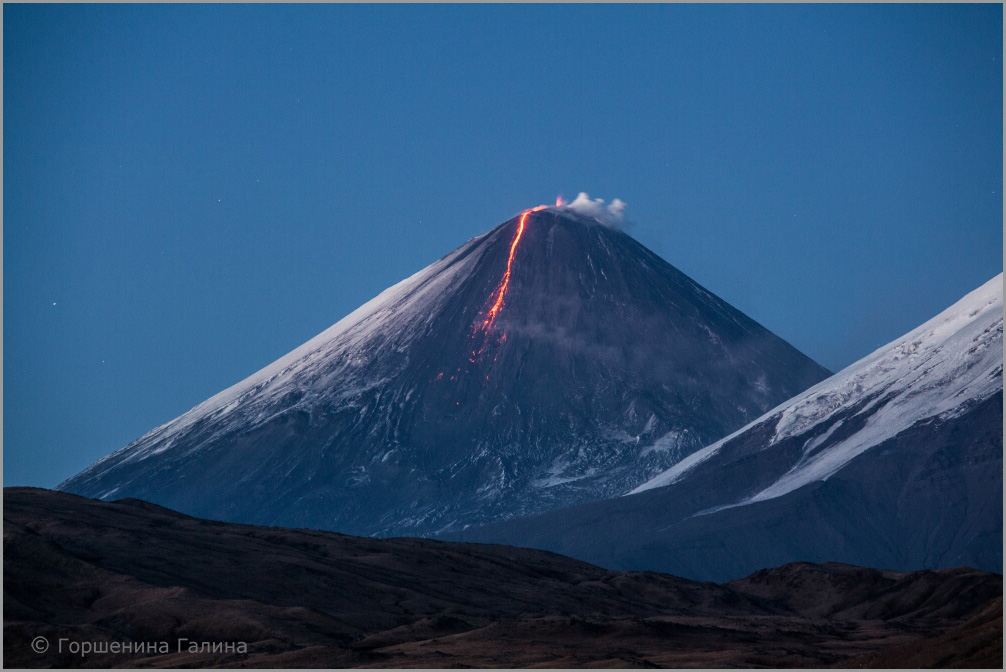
532	368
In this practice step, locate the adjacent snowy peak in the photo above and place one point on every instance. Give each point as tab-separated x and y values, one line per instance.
895	462
532	368
940	369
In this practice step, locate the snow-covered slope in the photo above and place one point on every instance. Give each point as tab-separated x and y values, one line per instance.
319	367
895	461
532	368
937	370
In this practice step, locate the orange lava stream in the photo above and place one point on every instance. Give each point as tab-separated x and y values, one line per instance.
505	282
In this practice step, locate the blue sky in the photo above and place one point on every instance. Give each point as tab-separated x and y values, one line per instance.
191	191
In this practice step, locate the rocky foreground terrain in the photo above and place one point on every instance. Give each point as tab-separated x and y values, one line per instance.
131	572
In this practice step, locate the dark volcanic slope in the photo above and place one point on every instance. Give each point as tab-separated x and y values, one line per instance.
604	366
130	571
895	462
932	497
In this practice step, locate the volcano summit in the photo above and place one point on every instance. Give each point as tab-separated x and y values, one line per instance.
534	367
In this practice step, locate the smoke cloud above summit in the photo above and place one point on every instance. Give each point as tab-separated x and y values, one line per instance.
611	214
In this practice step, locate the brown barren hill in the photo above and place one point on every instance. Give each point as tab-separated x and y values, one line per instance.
128	583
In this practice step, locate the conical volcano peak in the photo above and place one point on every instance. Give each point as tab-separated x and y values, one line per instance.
532	368
547	216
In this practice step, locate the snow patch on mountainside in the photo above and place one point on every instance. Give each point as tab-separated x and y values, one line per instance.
411	302
936	370
676	472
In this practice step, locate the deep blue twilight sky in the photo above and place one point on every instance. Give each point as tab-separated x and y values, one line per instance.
191	191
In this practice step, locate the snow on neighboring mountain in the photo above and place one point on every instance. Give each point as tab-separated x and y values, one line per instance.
939	369
895	462
532	368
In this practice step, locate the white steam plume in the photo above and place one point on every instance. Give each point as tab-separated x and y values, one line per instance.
610	215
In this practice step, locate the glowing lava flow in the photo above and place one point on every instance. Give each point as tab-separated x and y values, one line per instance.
500	293
482	329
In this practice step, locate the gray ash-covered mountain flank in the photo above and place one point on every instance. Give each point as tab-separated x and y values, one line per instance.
894	462
533	368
